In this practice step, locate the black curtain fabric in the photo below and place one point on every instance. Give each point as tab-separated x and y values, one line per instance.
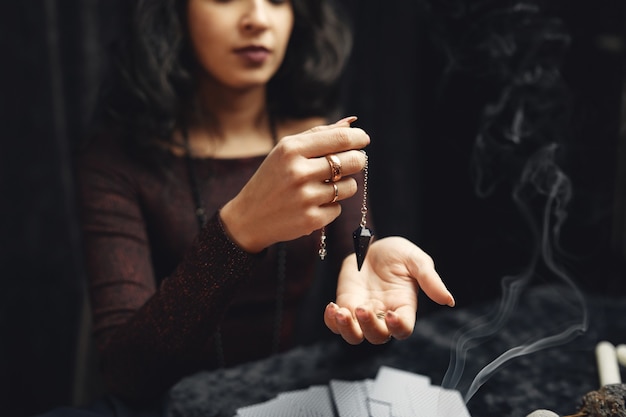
51	64
459	97
427	79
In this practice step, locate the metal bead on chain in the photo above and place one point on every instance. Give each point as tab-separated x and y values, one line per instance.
322	251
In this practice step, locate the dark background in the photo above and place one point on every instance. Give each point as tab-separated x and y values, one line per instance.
422	79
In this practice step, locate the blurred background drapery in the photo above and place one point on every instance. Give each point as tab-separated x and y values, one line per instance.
424	79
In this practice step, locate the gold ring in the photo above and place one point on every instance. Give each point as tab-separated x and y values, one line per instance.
335	167
380	316
336	191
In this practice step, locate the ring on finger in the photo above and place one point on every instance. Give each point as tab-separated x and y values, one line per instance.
335	167
336	193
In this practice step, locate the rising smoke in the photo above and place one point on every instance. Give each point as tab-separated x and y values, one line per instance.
520	49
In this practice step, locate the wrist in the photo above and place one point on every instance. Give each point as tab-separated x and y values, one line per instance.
238	231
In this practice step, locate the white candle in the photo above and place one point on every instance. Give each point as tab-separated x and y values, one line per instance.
543	413
621	354
608	368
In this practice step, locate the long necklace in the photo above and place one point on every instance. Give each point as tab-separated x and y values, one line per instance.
281	257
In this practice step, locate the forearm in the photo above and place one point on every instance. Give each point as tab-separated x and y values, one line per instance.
167	337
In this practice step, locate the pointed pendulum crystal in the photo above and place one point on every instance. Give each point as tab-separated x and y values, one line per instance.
362	235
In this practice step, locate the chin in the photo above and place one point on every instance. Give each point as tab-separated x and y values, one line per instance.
254	77
250	84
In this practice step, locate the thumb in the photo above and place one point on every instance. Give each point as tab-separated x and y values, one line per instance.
423	270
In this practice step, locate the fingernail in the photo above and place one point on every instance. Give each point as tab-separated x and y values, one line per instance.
362	314
451	303
342	319
348	120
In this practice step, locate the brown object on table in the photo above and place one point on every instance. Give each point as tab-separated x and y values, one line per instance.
608	401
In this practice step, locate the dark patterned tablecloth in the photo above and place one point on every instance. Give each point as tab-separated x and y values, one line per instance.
555	377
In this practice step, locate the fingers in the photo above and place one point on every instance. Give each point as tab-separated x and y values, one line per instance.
340	321
335	138
332	192
349	163
371	324
378	325
318	144
345	122
401	322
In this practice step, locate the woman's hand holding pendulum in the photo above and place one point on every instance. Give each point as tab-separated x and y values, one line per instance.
292	193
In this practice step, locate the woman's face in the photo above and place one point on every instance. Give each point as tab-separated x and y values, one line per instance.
240	43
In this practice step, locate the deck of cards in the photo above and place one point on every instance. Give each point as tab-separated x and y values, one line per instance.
393	393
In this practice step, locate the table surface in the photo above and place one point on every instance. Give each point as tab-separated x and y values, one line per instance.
554	377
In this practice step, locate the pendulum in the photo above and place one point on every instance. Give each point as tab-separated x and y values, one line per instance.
362	235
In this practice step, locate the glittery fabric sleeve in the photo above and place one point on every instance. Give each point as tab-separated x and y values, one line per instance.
149	334
166	338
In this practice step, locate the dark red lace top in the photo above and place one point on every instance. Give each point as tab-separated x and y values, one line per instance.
160	287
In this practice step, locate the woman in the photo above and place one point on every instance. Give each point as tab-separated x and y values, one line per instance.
204	194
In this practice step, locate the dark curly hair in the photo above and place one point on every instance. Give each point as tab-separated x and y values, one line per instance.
150	88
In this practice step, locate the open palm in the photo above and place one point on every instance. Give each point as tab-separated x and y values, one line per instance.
380	300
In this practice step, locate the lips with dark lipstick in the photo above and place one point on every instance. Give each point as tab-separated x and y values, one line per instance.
253	54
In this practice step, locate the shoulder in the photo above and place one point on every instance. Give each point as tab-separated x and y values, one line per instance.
112	150
106	158
102	147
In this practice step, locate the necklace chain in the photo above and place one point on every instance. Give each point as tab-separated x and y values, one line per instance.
201	217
